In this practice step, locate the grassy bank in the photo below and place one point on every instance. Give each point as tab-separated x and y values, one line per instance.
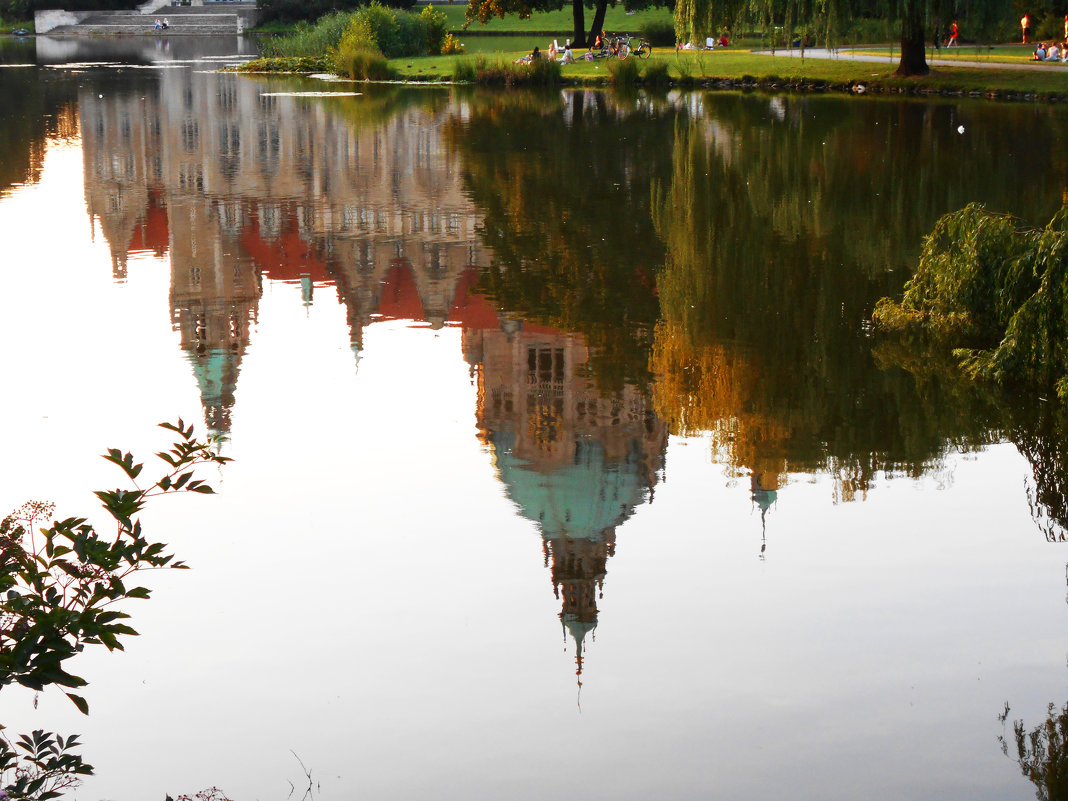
9	25
750	68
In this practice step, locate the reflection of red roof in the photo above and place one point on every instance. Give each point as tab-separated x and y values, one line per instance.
286	258
400	297
153	233
473	310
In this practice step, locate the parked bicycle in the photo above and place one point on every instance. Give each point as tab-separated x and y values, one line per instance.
636	46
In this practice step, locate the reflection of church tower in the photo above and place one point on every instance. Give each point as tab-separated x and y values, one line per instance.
575	461
214	297
764	488
120	142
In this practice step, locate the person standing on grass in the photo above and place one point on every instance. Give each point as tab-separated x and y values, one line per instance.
1025	24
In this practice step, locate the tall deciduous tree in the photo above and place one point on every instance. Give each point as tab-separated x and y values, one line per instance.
482	10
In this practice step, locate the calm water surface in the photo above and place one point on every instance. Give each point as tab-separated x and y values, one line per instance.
565	461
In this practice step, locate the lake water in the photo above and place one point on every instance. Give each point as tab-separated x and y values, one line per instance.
565	461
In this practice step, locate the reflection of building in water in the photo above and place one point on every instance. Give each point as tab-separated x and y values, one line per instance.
237	184
215	293
575	461
241	185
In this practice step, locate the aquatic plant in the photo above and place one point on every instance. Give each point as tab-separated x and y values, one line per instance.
994	291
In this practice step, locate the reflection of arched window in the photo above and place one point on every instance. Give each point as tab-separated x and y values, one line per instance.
231	218
365	259
190	135
226	96
545	367
270	220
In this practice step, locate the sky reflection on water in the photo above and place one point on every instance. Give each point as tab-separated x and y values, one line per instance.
475	421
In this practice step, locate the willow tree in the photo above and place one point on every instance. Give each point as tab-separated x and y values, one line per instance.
696	19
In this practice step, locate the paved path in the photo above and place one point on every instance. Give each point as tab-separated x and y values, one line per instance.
849	55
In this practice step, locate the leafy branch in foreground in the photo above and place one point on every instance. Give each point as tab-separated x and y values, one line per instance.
58	585
39	766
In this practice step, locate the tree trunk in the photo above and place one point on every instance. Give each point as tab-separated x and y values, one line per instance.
598	19
579	16
913	54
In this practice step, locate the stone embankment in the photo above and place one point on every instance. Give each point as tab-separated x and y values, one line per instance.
210	20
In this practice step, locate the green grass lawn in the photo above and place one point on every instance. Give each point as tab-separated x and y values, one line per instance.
560	22
737	64
995	54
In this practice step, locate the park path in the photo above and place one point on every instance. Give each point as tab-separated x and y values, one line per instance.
848	55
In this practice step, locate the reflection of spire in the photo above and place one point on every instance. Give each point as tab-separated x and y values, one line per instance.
764	492
216	372
577	462
213	301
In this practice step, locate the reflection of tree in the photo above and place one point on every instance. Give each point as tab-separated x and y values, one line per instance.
45	109
1042	753
763	300
565	189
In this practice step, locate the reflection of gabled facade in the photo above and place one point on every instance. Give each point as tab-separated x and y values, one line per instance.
575	461
243	184
215	293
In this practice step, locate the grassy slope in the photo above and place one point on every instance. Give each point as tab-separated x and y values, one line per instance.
554	22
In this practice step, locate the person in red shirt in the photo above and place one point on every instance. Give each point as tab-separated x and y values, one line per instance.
953	31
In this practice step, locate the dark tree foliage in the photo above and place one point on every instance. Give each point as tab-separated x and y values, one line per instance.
483	10
696	19
568	217
309	10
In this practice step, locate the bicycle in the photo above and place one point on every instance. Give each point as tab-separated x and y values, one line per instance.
636	47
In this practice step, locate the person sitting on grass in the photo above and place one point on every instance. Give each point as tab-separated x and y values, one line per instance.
535	55
1053	53
551	55
1040	52
567	58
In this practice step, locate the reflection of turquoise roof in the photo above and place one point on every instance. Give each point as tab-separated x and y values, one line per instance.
577	628
764	498
216	374
581	500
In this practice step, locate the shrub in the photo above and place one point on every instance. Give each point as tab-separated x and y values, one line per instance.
311	40
451	46
543	72
436	27
656	74
358	55
658	32
623	73
464	70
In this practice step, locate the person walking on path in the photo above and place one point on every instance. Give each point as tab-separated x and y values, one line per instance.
953	31
1025	24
